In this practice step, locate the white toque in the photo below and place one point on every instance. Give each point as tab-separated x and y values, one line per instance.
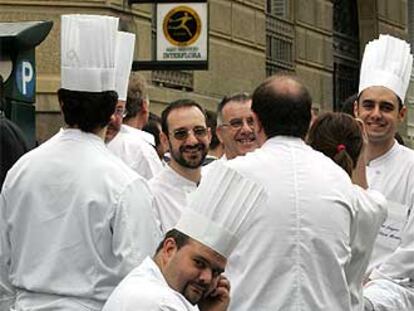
123	62
88	44
386	62
220	207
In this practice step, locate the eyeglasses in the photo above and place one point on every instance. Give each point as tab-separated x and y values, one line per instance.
238	123
183	133
121	112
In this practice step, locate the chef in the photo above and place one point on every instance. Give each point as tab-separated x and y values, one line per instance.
385	75
74	219
295	251
187	268
185	131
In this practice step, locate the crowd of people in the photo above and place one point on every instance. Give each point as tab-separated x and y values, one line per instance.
257	206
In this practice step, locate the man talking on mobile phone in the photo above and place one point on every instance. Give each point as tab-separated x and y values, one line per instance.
186	272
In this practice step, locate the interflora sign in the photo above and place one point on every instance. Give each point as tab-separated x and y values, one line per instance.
182	32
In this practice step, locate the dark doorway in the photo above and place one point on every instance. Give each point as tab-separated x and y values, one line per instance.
346	51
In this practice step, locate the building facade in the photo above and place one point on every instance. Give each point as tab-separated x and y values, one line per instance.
320	40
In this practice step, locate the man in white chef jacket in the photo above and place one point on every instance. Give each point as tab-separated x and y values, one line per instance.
74	219
124	141
187	268
294	252
384	80
385	75
185	130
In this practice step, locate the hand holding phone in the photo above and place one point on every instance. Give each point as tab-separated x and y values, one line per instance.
219	298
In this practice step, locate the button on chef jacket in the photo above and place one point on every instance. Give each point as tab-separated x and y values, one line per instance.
136	152
74	220
294	250
145	289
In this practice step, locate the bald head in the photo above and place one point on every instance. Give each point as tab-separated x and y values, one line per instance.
283	106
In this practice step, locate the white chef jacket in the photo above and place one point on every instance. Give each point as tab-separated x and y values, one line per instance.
145	289
392	285
294	250
74	220
136	152
392	174
370	214
172	193
207	168
148	137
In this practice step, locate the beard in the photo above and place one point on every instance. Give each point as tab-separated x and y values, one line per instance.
194	292
197	154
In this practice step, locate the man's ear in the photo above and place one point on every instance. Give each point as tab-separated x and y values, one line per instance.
356	114
209	135
169	248
145	105
259	130
402	113
164	139
219	133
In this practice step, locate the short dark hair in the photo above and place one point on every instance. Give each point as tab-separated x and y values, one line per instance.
180	103
238	97
338	136
152	128
180	239
212	124
87	110
137	93
348	104
281	111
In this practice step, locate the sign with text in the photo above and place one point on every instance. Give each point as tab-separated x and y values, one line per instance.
182	32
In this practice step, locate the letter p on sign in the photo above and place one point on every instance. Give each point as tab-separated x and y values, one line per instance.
27	75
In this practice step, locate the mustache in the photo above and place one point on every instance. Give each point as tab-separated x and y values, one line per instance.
201	286
247	135
198	147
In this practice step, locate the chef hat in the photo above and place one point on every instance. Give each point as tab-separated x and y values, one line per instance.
123	61
386	62
88	45
220	207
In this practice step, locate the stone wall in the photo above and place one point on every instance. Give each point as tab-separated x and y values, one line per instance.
236	47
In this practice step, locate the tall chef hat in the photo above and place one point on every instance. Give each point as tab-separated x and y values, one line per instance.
88	45
220	207
123	61
386	62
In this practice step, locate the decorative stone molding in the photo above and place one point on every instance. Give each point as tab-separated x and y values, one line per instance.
182	80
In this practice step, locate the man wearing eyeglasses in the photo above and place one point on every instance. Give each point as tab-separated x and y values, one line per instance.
185	131
235	125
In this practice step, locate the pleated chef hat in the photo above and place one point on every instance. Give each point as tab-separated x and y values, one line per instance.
386	62
123	61
220	207
88	46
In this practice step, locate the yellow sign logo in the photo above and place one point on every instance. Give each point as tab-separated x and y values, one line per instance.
182	26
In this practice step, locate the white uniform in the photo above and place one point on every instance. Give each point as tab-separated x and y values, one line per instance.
392	285
207	168
294	252
136	152
172	193
74	220
370	214
392	174
145	289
